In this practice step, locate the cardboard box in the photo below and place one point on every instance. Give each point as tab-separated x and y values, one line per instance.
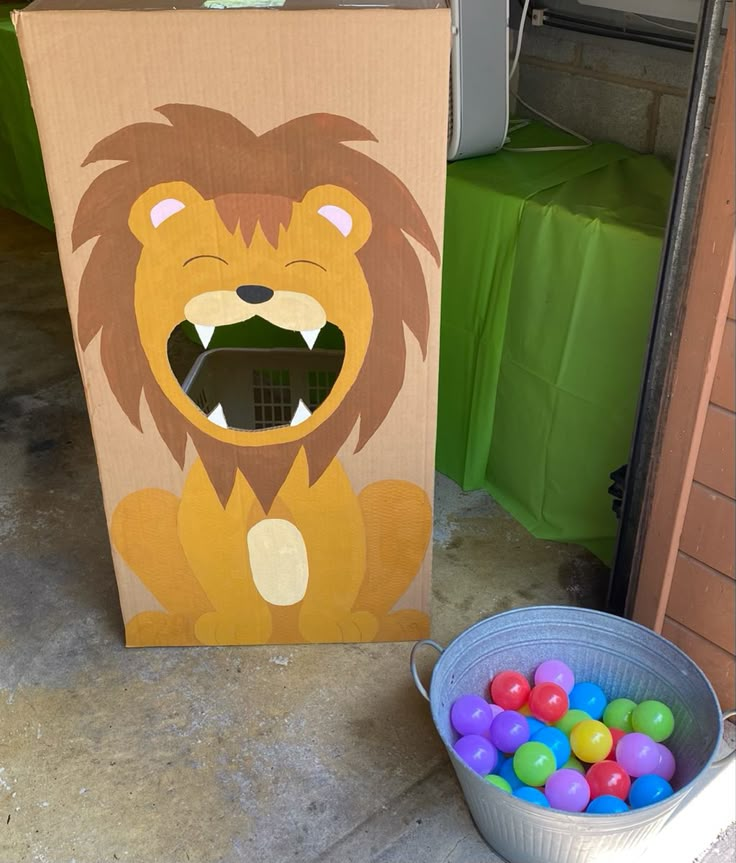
276	174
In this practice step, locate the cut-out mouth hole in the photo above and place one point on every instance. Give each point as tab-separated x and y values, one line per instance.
255	375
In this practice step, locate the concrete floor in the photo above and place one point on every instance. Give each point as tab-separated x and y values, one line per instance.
214	755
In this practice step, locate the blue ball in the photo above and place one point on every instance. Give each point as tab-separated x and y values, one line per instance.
534	725
508	773
607	804
588	697
532	795
649	789
557	741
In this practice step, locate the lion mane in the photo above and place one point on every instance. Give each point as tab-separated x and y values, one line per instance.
253	179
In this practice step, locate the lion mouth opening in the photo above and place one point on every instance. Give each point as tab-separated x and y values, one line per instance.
254	375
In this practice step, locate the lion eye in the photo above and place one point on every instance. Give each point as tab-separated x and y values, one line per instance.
302	261
199	257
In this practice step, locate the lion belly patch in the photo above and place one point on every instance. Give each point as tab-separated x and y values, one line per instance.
278	561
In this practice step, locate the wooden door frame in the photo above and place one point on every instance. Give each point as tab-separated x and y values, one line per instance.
695	283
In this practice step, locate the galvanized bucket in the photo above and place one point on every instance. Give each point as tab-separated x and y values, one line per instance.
626	660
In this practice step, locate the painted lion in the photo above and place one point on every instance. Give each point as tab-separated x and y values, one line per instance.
201	220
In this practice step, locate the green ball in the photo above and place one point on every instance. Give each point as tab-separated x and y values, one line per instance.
498	781
534	763
573	763
654	719
570	720
618	714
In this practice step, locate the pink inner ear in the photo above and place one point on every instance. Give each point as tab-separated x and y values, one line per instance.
340	218
164	209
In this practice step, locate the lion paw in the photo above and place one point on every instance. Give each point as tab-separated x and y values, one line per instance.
406	625
157	629
320	627
216	628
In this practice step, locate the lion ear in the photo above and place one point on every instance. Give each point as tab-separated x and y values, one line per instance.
158	204
343	211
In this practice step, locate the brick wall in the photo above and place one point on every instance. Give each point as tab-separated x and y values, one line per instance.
607	89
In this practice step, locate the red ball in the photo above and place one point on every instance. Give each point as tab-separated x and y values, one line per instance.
548	702
510	690
608	777
616	734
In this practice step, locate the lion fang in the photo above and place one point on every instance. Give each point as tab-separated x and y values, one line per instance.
310	337
301	413
218	417
205	334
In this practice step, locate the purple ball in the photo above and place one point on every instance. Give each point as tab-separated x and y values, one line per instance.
567	790
666	766
555	671
637	754
477	752
495	710
509	730
471	714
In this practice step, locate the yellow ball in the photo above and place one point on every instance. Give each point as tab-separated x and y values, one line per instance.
525	710
591	741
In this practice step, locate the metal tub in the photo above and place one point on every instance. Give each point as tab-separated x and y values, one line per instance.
626	660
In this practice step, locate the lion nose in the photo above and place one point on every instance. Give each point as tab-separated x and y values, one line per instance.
254	293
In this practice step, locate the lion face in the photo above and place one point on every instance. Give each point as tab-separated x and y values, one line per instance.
193	268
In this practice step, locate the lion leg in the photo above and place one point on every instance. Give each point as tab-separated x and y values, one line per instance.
398	526
144	532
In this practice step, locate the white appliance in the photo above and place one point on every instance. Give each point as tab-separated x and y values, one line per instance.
479	71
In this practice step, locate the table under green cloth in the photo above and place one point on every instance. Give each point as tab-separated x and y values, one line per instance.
550	268
22	179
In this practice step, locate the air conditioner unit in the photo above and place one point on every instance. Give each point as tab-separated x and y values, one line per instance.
479	69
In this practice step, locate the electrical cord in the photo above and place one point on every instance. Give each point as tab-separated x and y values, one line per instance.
584	142
654	23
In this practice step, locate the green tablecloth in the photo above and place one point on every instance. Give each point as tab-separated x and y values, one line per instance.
22	180
550	268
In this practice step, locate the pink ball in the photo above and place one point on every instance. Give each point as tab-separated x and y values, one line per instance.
666	767
555	671
637	754
567	790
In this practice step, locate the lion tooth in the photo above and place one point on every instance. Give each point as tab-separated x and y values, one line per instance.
310	337
205	333
218	417
301	413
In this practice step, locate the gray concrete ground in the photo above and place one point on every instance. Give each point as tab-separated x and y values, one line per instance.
213	755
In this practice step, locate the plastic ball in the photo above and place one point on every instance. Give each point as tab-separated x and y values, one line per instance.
531	795
471	714
510	690
548	702
590	740
616	735
573	763
507	772
590	698
495	710
667	766
567	790
654	719
509	730
555	671
607	804
649	789
534	763
570	720
557	742
637	754
477	752
618	714
608	778
499	782
534	724
525	710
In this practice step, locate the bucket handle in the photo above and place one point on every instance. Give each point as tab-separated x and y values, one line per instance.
729	756
425	642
